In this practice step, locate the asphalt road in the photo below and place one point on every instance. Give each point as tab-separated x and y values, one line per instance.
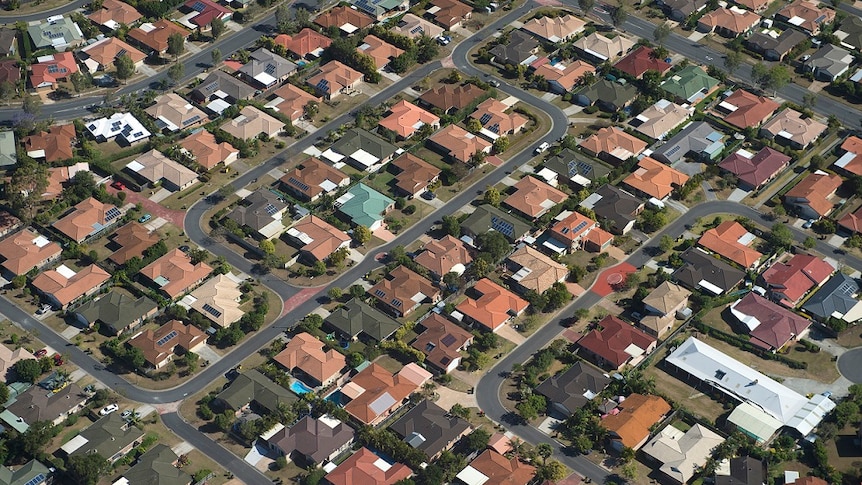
10	17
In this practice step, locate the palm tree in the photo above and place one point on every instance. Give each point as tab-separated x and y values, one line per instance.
517	447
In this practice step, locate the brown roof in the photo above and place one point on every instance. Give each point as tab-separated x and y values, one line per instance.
415	175
89	217
449	96
775	325
441	341
207	151
35	404
56	143
114	11
58	177
402	289
106	51
158	345
319	238
495	305
725	240
133	239
174	272
533	197
312	177
735	20
811	14
308	354
755	170
743	109
341	16
460	144
66	289
568	77
27	250
853	144
337	76
612	341
375	391
405	118
443	255
10	71
303	43
450	12
493	116
293	101
790	124
638	413
816	189
501	470
655	178
381	51
641	60
615	142
155	35
366	468
852	221
532	270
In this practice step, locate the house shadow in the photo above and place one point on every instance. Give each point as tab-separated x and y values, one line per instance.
848	446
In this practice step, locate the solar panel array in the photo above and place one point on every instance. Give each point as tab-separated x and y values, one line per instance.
485	119
37	479
302	186
448	339
167	338
199	7
495	128
269	69
396	302
191	120
212	311
417	29
380	293
270	209
323	85
112	214
580	226
502	226
121	53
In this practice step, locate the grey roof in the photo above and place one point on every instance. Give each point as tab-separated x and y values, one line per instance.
356	317
8	151
696	137
568	388
487	217
609	92
30	471
788	39
254	386
686	7
830	59
38	404
257	209
156	467
703	267
836	295
614	204
357	139
116	310
520	47
850	31
744	470
8	38
313	438
264	61
569	163
58	32
108	436
430	428
224	82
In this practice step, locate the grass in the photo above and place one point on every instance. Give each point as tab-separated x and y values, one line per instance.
682	394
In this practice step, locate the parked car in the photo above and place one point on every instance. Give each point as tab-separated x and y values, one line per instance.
494	83
542	148
110	408
144	218
428	195
185	248
58	359
126	413
808	224
118	185
41	353
45	308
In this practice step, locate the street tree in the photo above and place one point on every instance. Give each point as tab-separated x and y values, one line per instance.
619	15
492	196
216	57
586	5
176	45
175	73
361	235
665	243
732	61
125	67
217	28
661	33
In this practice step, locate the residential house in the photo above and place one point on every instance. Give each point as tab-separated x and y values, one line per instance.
53	145
361	149
616	206
413	175
728	22
63	286
375	393
811	197
443	256
521	50
10	71
457	143
533	198
490	306
363	206
122	126
829	62
116	312
307	44
613	145
680	10
681	454
412	26
9	357
489	218
404	119
253	391
308	359
806	15
33	473
755	170
770	327
775	48
174	273
430	428
641	60
60	177
316	238
313	178
199	14
311	440
495	121
115	14
222	89
574	388
704	272
449	13
56	32
608	95
690	84
580	171
561	77
555	29
661	118
203	147
492	468
173	113
265	69
262	212
661	308
533	271
52	69
568	231
157	169
450	98
442	342
8	42
401	291
159	466
698	140
850	32
102	54
655	179
348	19
600	49
111	437
630	427
754	5
159	346
356	320
218	299
379	50
154	36
335	79
850	160
731	240
8	149
787	282
837	298
382	9
8	224
852	222
292	101
252	123
745	110
27	250
37	404
743	470
615	344
367	468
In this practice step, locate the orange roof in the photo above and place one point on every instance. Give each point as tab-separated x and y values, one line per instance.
415	175
319	237
807	15
366	468
534	197
308	354
342	16
114	12
492	114
313	177
725	241
55	144
405	118
155	35
852	221
174	272
207	151
337	77
734	20
614	142
89	217
375	388
853	144
815	190
598	237
443	255
133	240
66	288
403	289
655	178
745	109
106	51
638	413
293	101
381	51
156	349
501	470
450	12
60	66
541	271
461	144
568	77
26	250
572	227
495	305
306	42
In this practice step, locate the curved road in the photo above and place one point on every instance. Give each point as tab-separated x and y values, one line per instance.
12	17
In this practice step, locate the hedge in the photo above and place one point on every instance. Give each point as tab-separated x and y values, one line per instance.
744	344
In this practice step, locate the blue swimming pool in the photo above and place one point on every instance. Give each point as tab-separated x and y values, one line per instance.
299	387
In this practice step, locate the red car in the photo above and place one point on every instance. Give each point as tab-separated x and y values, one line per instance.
41	353
118	185
58	360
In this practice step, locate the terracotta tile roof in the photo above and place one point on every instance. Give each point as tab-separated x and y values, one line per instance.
160	344
89	217
58	177
113	13
730	240
207	151
133	239
614	142
337	77
460	144
789	124
598	237
106	51
743	109
533	197
791	280
806	15
366	468
815	190
219	300
655	178
52	69
402	290
568	77
492	114
770	326
450	12
501	470
450	96
755	170
415	174
441	341
10	71
532	270
66	289
852	150
26	250
375	391
342	16
734	19
174	272
444	255
306	42
381	51
641	60
613	339
852	221
155	35
54	145
555	29
756	5
495	305
293	101
638	413
405	118
571	228
313	178
308	354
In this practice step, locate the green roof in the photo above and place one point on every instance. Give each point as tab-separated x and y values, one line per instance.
610	92
690	83
156	467
116	310
32	470
357	317
364	206
107	437
487	217
254	386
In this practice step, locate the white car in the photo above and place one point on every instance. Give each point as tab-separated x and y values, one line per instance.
110	408
541	148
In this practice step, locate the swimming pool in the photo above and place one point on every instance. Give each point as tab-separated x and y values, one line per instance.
299	387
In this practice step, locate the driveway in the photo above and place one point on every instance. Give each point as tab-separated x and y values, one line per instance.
177	218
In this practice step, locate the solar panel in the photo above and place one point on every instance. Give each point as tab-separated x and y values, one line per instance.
323	85
485	118
137	134
269	69
416	30
580	226
565	230
112	214
121	53
191	120
448	339
212	311
396	302
302	186
53	69
672	151
37	479
199	7
270	209
495	128
585	167
502	227
380	293
167	338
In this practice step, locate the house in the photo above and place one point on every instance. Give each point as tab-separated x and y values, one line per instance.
116	312
661	118
770	327
442	342
363	206
8	224
157	169
829	62
159	346
661	308
698	140
218	299
413	175
60	177
492	468
613	145
335	79
252	123
9	357
253	391
457	143
600	49
111	437
680	10
810	197
850	32
754	5
449	13
555	29
308	358
690	84
291	101
696	361
159	466
533	271
850	161
755	170
52	69
837	298
731	240
852	221
27	250
443	256
10	71
489	218
572	389
401	291
562	78
579	170
53	145
775	48
56	32
521	50
495	121
641	60
154	36
63	286
404	119
451	98
115	14
630	428
361	149
382	9
616	206
490	306
316	238
33	472
173	113
35	404
788	282
368	469
805	15
174	273
347	19
412	26
568	231
102	54
311	440
533	198
615	344
307	44
312	178
728	22
375	393
608	95
199	14
8	149
379	50
222	87
789	127
681	454
265	69
262	212
203	147
8	42
745	110
655	179
122	126
704	272
743	470
356	320
430	428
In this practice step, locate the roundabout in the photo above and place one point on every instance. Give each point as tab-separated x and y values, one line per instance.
850	365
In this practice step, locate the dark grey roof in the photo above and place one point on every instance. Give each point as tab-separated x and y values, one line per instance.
609	92
568	388
38	404
257	209
687	7
703	267
487	217
744	470
520	47
615	205
836	295
694	138
429	428
224	82
7	42
116	310
830	59
254	386
156	467
356	139
108	436
356	317
22	475
313	438
788	39
569	163
852	27
264	61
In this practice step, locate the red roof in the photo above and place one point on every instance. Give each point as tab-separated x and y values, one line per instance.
366	468
852	221
208	10
791	280
10	71
758	169
612	338
640	61
743	109
303	43
61	66
774	326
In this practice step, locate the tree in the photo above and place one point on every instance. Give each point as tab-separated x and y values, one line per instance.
125	67
477	440
586	5
493	244
501	144
492	196
474	126
809	243
18	282
777	77
544	450
224	420
809	99
552	470
32	104
732	61
661	33
361	235
175	73
267	246
217	28
759	72
7	91
4	392
282	19
86	468
780	237
577	272
176	45
198	255
357	291
216	57
665	243
28	370
334	293
619	15
451	226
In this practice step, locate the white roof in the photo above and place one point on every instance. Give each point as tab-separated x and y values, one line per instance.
749	321
754	422
349	28
303	237
123	125
66	271
41	241
265	79
271	431
332	156
471	476
328	185
218	105
135	166
364	157
706	285
73	444
845	159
